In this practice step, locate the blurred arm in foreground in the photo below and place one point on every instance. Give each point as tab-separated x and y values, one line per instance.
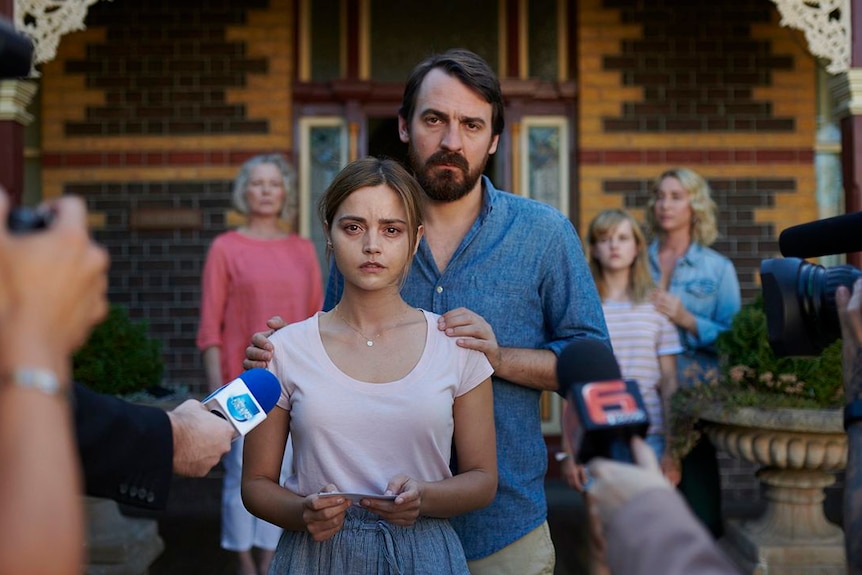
648	527
850	316
53	287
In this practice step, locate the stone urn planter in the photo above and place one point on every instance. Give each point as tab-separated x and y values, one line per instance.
116	544
800	450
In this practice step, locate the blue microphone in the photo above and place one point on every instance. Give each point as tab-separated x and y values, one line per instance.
245	401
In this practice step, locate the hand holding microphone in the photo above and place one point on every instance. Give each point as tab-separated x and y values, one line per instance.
200	440
615	484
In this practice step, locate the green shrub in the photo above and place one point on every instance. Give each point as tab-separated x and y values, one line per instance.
752	376
749	365
119	357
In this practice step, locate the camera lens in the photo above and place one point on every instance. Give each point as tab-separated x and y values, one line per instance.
799	301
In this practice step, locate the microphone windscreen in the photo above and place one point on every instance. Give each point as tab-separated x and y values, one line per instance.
16	50
836	235
264	386
585	361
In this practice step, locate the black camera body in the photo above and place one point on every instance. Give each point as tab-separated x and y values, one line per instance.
16	60
23	219
799	301
16	52
798	296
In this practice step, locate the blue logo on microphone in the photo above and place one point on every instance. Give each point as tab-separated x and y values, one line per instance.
242	407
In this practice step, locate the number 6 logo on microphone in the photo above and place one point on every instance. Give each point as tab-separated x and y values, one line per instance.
612	403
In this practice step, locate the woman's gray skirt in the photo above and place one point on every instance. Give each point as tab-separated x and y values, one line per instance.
367	545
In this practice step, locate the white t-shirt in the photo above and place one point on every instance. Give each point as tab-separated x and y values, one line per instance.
639	335
359	435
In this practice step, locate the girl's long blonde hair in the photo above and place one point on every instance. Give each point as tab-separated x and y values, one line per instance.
641	283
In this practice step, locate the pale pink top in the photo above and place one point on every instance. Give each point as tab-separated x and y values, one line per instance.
245	282
359	435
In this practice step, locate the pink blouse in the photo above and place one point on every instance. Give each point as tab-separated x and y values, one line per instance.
245	282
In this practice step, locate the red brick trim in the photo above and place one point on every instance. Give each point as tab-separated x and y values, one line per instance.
706	156
150	159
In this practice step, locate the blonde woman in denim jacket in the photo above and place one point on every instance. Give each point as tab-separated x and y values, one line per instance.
698	290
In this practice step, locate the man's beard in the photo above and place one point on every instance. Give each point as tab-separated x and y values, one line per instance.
445	185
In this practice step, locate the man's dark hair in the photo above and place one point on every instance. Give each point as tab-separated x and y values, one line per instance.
470	69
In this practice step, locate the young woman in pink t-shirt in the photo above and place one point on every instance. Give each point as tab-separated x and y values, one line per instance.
252	273
376	400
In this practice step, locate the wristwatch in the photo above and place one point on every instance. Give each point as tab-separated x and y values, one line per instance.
561	456
852	413
38	379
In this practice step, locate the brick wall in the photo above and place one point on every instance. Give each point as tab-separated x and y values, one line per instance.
742	236
717	87
169	73
147	114
156	270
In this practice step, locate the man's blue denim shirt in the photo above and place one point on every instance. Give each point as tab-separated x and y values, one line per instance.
522	268
705	281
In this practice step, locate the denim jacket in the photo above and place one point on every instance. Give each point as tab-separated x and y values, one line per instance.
706	283
522	268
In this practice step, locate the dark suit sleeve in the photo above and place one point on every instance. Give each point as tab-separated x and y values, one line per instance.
126	449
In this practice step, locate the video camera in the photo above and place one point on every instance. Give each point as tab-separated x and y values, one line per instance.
16	60
16	52
798	296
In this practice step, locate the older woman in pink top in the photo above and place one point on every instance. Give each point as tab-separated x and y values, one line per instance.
250	274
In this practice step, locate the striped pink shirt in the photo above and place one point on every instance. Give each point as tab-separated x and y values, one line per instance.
639	335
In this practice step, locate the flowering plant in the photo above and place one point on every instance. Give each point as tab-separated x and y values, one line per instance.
752	376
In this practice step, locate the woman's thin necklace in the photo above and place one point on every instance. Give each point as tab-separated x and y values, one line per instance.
369	341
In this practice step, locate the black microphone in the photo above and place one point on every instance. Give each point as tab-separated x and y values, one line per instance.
16	51
605	411
245	401
836	235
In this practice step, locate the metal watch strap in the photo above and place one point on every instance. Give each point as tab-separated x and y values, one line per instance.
39	379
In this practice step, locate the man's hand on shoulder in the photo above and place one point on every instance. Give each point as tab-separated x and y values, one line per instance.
200	438
472	332
259	353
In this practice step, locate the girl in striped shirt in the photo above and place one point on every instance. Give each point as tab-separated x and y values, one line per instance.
645	342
